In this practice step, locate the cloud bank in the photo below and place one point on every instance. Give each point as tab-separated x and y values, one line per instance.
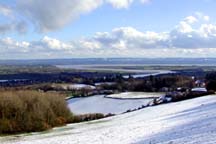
194	36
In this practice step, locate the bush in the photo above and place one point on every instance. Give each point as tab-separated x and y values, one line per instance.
29	111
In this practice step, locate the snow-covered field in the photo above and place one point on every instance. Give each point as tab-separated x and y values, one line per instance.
186	122
135	95
76	86
104	83
100	104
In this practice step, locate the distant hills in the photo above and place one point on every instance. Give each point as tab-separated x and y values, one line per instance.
114	61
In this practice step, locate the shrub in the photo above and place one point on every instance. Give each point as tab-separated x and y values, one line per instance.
29	111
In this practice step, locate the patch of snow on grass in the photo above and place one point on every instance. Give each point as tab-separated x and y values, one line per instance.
135	95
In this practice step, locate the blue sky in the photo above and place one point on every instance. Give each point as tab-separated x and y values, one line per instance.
107	28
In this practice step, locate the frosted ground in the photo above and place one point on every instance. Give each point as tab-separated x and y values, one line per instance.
189	122
135	95
101	104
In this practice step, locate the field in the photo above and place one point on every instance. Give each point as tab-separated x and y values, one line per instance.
101	104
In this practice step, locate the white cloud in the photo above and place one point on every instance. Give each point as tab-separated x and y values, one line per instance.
130	38
8	45
184	27
89	44
206	18
55	44
202	16
190	19
50	15
208	30
120	3
5	11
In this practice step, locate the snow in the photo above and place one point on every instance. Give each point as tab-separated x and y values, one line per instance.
80	86
189	122
101	104
105	83
135	95
199	89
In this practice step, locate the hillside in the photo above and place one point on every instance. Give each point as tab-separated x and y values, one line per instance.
191	121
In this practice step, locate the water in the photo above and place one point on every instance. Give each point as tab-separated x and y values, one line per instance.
149	74
100	104
14	80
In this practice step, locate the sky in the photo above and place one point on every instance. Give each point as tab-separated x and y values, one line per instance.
47	29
